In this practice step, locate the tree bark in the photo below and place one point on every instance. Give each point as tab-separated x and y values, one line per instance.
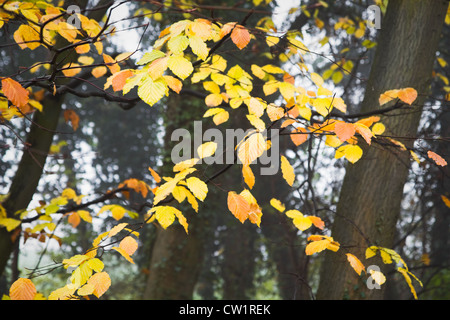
373	187
31	165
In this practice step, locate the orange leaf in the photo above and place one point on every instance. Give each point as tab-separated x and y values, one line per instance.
129	245
437	158
355	263
317	222
112	65
344	130
119	79
407	95
240	36
316	246
74	219
299	136
99	71
70	115
364	131
101	282
155	175
22	289
15	92
248	175
238	206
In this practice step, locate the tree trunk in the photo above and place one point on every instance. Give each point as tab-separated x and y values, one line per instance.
38	142
372	189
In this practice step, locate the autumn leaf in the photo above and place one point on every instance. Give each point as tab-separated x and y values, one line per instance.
299	135
22	289
72	117
407	95
155	175
249	177
344	130
180	66
151	91
112	64
166	216
238	206
351	152
355	263
446	200
252	148
10	223
27	37
319	243
437	158
129	245
197	187
207	149
15	92
101	283
287	170
277	204
240	36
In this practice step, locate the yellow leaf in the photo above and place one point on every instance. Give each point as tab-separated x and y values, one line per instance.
27	37
378	128
180	166
75	260
316	246
10	223
124	254
351	152
86	290
63	293
116	229
167	188
300	221
317	79
166	216
252	148
22	289
248	175
180	66
287	170
198	46
95	264
101	283
404	272
355	263
238	206
151	91
277	204
207	149
197	187
178	44
377	276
